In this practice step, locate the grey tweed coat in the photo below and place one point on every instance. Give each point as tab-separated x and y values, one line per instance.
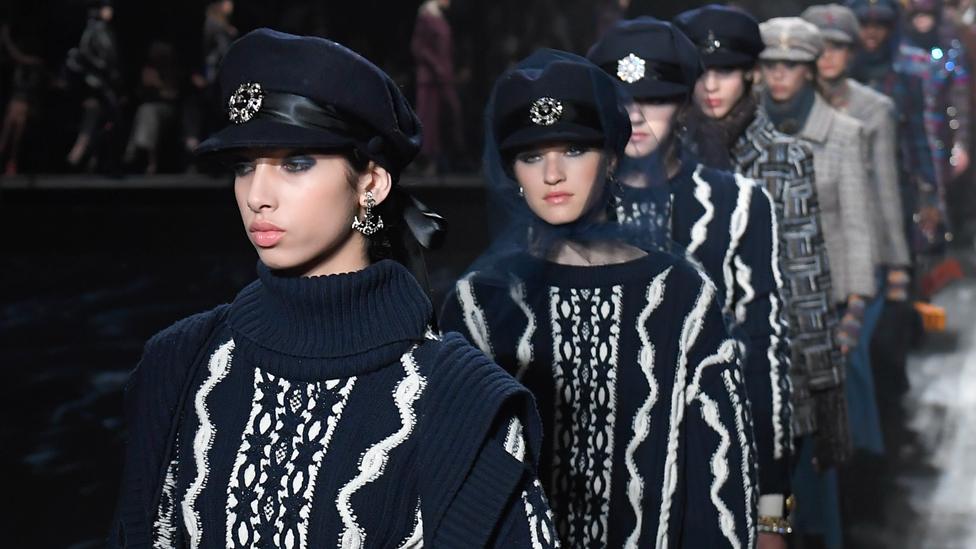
840	164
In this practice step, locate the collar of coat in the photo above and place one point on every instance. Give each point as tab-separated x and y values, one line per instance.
818	121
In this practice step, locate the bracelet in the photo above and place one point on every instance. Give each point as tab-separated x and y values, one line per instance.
775	525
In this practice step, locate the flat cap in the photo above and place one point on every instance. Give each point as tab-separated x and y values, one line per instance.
882	11
556	96
790	39
725	37
285	91
836	23
652	58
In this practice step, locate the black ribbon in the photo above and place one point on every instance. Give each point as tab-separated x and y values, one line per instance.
298	110
654	70
573	113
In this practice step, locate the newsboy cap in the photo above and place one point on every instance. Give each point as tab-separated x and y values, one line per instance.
880	11
556	96
285	91
790	39
651	57
836	23
725	37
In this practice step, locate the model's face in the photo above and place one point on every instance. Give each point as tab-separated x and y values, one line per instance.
923	22
105	13
297	208
650	123
873	35
833	62
561	181
785	79
718	90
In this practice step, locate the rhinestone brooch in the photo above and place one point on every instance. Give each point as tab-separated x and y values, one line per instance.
545	111
245	102
630	69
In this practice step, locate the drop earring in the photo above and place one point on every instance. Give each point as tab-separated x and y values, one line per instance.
371	224
521	191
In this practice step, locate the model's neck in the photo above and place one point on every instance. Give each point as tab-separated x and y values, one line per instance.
348	256
836	91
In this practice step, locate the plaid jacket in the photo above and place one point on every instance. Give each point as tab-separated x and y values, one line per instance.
784	167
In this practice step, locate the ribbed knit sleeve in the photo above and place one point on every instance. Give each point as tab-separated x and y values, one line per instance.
476	481
720	480
153	395
759	312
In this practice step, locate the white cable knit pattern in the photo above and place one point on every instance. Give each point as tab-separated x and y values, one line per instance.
720	469
524	353
689	334
218	367
416	539
703	193
746	449
373	461
738	224
474	316
642	419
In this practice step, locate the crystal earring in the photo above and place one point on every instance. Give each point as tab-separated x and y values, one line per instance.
521	192
371	224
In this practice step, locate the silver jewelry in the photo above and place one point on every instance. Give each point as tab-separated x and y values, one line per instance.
245	102
521	191
545	111
631	69
371	224
712	44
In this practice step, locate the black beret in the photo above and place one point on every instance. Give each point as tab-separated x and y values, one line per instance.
726	37
653	58
883	11
282	90
555	96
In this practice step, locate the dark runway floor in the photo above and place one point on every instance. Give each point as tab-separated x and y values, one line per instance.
89	275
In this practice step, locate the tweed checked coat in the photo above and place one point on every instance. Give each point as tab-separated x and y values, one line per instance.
840	164
876	112
783	165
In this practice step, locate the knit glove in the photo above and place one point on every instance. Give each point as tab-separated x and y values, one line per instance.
897	287
849	331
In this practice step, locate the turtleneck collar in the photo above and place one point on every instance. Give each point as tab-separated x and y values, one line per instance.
837	92
790	116
327	327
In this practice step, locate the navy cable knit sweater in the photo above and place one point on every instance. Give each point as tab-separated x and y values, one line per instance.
320	412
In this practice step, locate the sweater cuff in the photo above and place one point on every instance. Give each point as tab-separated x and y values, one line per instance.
771	505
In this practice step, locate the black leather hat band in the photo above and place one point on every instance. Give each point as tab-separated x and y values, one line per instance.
572	113
298	110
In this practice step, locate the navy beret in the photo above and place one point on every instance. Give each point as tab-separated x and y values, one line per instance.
654	59
555	96
287	91
726	37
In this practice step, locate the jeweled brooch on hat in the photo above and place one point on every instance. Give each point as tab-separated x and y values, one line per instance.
630	69
712	44
245	102
545	111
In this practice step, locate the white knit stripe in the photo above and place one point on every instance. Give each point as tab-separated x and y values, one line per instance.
514	440
474	316
720	469
164	527
416	539
703	192
743	276
312	425
642	419
738	224
724	355
689	334
373	461
218	367
524	353
746	450
776	336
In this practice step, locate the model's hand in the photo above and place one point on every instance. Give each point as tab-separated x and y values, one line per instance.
897	289
959	160
771	541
